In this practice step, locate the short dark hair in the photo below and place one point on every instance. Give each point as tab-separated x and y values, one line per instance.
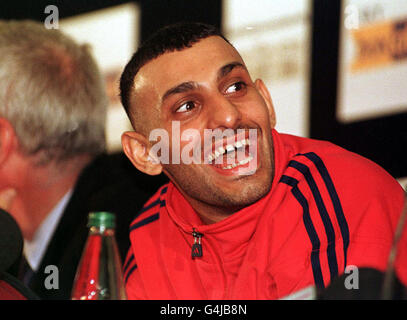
171	38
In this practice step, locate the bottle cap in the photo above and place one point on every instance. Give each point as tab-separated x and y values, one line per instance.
101	219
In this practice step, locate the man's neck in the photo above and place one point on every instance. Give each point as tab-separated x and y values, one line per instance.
209	213
34	205
43	189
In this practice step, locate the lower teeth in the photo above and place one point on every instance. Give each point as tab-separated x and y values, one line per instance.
250	158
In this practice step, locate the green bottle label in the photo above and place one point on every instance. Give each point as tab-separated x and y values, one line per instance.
101	219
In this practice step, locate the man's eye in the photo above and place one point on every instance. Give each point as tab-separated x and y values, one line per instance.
235	87
187	106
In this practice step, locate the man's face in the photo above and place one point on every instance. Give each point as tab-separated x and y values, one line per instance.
206	87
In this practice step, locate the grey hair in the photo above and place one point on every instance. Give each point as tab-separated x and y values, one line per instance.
51	92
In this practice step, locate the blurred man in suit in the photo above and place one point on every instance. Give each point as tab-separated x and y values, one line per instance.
52	138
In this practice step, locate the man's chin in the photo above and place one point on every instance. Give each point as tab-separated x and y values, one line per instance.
242	196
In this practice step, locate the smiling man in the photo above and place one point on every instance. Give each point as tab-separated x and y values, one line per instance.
258	214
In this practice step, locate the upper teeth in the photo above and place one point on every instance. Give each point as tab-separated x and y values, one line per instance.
228	148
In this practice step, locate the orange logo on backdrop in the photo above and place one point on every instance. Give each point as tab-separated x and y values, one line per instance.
380	44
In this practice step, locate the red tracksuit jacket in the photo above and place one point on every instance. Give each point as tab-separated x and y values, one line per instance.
328	208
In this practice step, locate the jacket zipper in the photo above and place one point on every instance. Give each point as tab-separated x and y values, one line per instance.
196	246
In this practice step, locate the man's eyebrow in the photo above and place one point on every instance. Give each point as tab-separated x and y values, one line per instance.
228	68
183	87
190	85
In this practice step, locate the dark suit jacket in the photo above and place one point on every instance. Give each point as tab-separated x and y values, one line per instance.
109	183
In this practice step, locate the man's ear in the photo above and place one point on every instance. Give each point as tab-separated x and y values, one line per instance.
264	92
7	139
135	146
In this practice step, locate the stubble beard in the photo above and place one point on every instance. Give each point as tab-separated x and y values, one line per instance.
202	188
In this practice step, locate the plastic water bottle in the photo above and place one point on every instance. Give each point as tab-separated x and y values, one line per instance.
99	274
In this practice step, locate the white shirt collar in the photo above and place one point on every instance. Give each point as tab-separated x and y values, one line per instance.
35	248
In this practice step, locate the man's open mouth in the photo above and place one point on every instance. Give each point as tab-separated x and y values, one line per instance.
228	155
231	155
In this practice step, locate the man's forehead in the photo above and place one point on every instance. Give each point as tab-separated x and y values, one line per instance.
206	56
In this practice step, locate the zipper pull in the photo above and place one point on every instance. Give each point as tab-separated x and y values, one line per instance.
196	247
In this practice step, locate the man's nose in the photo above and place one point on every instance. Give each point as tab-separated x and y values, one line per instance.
223	113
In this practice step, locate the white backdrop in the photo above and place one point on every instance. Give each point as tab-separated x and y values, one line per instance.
273	38
372	83
113	35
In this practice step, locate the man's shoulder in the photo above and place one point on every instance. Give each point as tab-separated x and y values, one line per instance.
359	185
362	201
346	168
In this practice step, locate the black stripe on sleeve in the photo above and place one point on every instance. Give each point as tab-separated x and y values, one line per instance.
127	265
312	234
288	180
151	205
145	221
129	273
343	225
156	202
329	230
